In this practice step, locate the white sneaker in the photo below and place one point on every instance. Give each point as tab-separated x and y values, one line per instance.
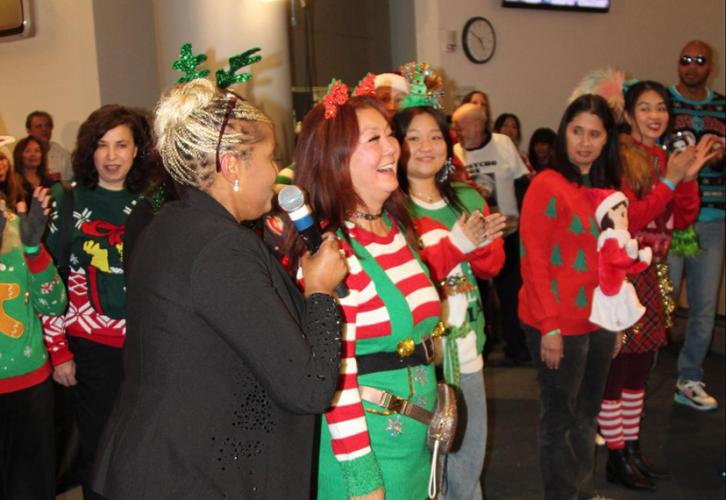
692	393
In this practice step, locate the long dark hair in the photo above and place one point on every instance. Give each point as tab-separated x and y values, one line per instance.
42	171
631	99
605	171
499	122
401	121
541	135
637	169
94	128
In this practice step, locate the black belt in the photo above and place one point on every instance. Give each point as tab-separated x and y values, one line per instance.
407	354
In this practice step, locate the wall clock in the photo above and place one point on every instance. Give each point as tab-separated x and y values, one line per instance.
478	40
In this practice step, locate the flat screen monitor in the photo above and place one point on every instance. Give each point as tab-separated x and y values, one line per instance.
15	20
580	5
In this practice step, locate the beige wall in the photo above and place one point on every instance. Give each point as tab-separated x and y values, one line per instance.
223	28
541	55
55	70
127	67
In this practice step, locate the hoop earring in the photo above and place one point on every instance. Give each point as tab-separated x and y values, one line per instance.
235	186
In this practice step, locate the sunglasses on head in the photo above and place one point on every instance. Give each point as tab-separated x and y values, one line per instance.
686	60
230	106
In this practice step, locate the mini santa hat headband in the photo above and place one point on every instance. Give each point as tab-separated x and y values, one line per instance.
604	200
393	80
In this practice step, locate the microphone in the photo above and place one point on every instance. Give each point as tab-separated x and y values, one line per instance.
292	200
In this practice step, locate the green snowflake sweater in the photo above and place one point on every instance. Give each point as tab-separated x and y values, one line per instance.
29	285
96	286
558	256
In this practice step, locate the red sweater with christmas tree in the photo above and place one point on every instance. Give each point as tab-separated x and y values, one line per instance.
559	256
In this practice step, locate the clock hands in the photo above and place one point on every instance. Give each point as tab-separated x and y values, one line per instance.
479	39
481	30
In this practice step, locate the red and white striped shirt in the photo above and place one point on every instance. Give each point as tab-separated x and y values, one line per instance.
367	319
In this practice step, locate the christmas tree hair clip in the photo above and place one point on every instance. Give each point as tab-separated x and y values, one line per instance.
187	64
336	96
426	86
225	78
367	86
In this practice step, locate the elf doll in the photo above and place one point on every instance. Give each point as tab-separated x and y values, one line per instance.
615	305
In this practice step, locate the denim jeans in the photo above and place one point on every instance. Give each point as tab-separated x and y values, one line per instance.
704	273
570	401
463	468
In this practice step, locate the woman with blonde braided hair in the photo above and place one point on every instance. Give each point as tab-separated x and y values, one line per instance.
218	399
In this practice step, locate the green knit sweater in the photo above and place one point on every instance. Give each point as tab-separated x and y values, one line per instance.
29	285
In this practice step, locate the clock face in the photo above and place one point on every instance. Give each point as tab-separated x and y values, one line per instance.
478	40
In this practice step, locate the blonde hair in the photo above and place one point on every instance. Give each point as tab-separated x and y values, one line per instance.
11	189
189	118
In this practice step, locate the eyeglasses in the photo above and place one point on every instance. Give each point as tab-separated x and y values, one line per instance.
686	60
228	112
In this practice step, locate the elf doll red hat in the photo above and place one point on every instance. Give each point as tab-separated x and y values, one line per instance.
615	304
604	200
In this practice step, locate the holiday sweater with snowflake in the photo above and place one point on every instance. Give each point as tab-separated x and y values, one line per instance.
96	290
29	284
559	256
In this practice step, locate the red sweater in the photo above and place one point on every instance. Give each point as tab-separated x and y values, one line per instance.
653	216
559	256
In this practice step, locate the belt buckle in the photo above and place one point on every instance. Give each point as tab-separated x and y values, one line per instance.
427	342
439	330
406	347
393	403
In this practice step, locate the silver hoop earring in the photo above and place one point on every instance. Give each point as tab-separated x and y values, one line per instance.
235	186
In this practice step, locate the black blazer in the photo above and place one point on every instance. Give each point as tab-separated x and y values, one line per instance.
225	362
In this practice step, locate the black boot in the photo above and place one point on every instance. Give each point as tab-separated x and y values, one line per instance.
620	470
641	462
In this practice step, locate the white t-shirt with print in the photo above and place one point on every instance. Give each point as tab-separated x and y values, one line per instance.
496	164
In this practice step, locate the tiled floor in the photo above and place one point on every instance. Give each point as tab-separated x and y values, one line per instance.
688	442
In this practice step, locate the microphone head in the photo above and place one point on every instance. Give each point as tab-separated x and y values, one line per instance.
291	198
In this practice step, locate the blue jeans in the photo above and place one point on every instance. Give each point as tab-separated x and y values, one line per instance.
463	468
704	273
570	401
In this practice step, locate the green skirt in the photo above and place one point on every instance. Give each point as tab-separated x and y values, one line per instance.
398	442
